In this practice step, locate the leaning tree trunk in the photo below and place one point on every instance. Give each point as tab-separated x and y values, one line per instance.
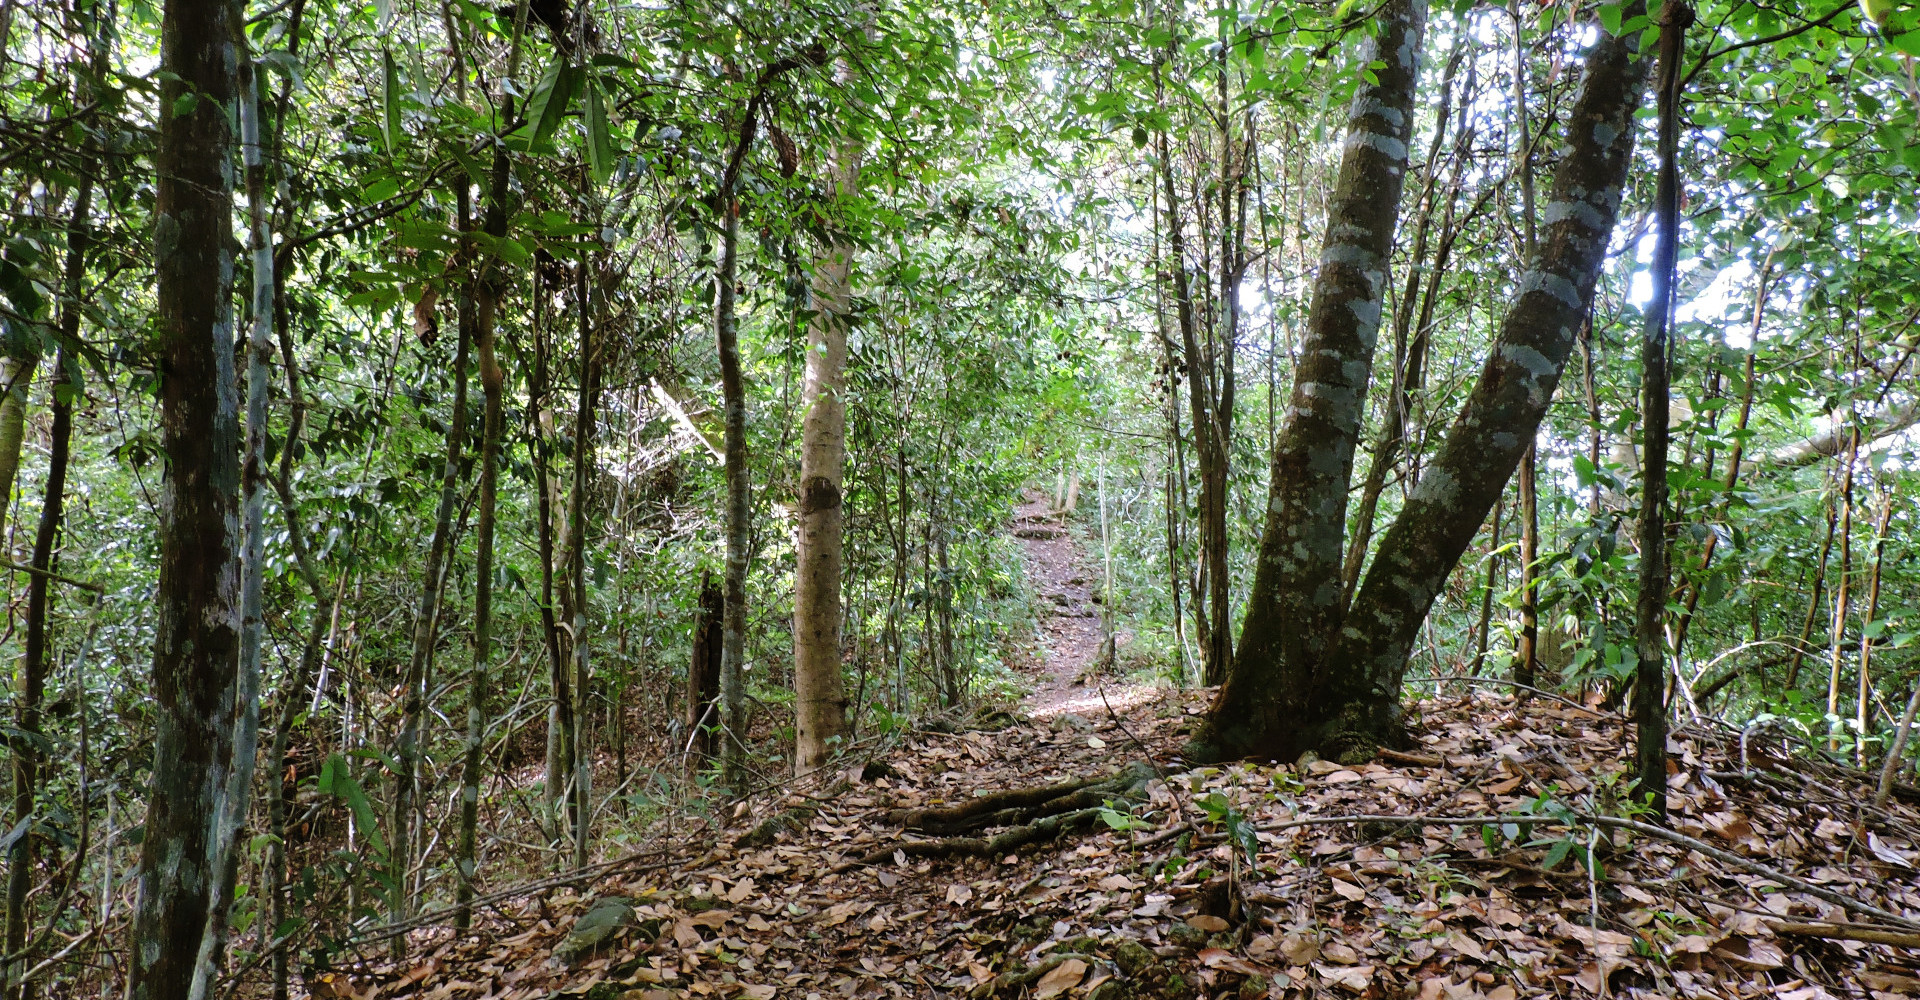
197	642
1293	611
819	690
1361	701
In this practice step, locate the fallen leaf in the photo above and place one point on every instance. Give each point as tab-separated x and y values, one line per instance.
1096	743
1207	922
1349	890
1060	979
760	991
959	895
1340	951
1352	977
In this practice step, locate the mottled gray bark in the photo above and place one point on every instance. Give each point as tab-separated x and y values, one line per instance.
1293	611
237	799
1502	413
196	649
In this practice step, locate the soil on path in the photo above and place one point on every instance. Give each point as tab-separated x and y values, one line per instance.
1068	669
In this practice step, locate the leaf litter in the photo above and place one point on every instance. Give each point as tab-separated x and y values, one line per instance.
1242	881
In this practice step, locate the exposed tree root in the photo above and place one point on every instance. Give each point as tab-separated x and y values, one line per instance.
1032	816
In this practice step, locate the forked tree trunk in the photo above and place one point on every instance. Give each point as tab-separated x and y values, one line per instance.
197	645
1348	696
819	690
1294	608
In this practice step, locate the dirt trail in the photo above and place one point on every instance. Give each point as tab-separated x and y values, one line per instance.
1066	669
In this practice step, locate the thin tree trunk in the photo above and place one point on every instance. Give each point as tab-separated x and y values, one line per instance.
197	646
31	682
1525	666
733	630
486	293
1843	589
1813	602
583	431
1501	414
1294	610
1486	596
1212	596
560	708
238	797
819	689
1650	613
1873	611
426	618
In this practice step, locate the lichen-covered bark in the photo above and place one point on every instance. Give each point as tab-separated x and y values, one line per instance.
1500	417
197	645
819	691
1293	611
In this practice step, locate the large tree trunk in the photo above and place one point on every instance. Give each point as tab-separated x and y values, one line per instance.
1293	612
1499	419
197	646
1350	699
238	797
819	690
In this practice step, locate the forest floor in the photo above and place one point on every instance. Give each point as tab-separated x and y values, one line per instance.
1237	882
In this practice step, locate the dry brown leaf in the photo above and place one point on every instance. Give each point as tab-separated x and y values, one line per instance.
959	895
1349	890
1060	979
1351	977
1207	922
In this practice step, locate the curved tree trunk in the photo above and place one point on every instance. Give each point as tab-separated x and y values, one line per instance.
1293	611
196	650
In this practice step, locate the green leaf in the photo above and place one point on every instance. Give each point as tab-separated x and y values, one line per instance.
390	102
336	780
551	99
599	144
